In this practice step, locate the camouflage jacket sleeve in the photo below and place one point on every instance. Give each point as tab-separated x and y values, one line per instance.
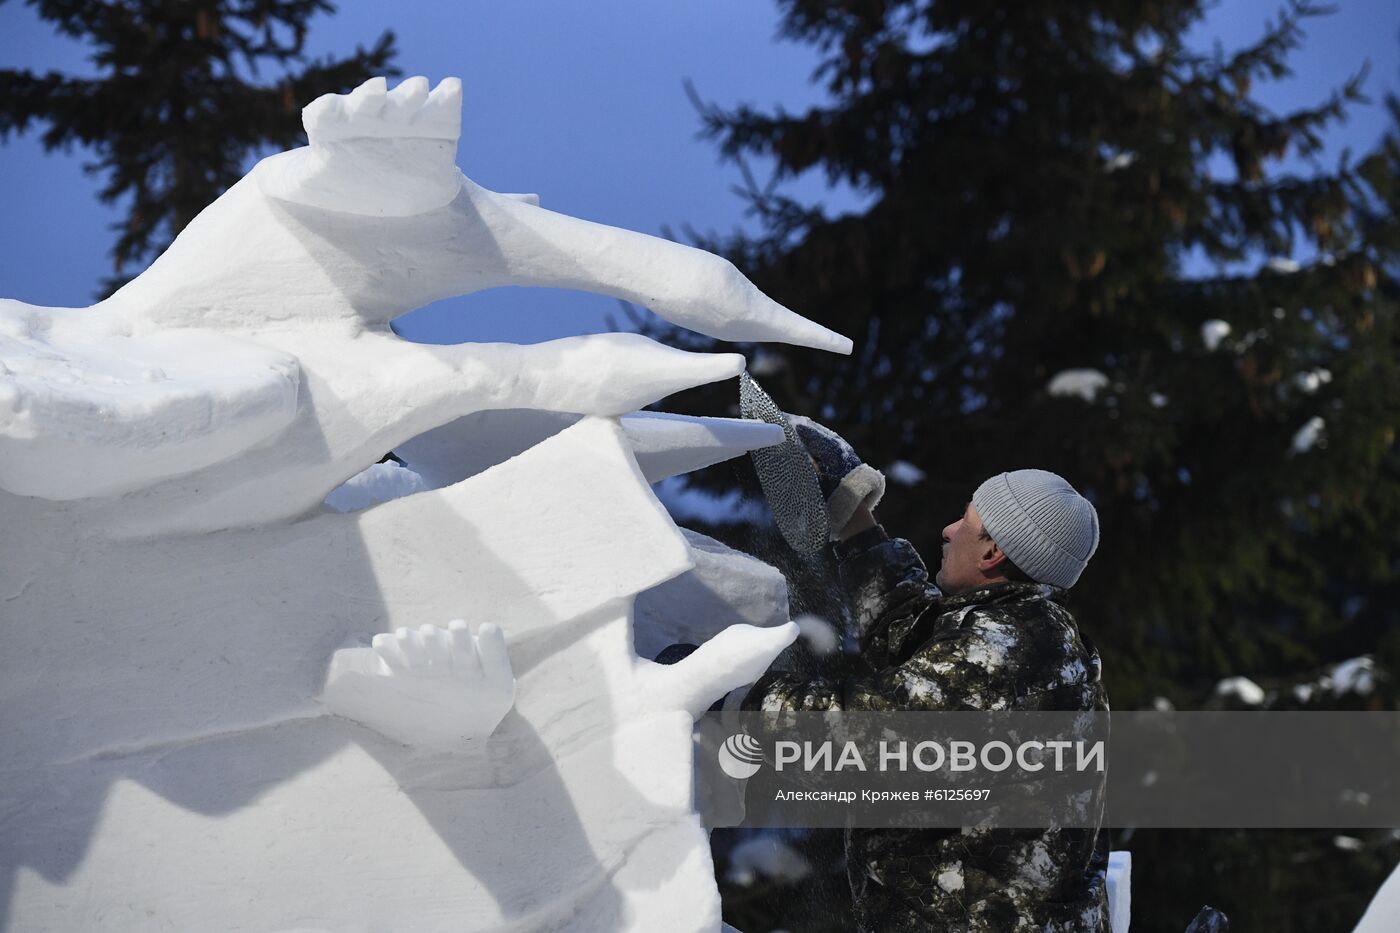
916	658
888	588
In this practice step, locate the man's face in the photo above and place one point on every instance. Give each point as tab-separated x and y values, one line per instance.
969	559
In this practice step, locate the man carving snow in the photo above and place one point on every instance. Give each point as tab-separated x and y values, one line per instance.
993	634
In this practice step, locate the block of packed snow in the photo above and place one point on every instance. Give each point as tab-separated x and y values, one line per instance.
664	444
722	588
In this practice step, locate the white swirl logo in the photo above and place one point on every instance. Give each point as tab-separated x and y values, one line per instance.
740	756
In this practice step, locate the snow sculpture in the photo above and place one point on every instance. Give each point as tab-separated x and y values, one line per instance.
1383	913
183	619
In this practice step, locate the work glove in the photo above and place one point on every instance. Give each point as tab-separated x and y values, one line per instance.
846	481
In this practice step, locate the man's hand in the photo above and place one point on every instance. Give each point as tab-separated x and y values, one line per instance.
852	488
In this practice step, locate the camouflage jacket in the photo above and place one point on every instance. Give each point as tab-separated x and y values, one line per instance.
1010	646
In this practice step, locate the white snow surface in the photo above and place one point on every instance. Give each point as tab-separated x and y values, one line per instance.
1312	380
378	482
1357	675
423	714
723	587
1120	891
664	444
1306	437
1077	383
1242	689
769	857
87	409
1383	913
1354	675
1214	331
1120	161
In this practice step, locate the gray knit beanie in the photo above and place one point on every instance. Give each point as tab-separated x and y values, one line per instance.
1039	521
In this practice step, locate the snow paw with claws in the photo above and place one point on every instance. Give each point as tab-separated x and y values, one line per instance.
431	686
375	151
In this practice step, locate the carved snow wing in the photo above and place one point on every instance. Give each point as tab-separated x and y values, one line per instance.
227	706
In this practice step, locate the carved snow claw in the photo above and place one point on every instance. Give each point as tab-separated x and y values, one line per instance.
403	141
431	686
372	110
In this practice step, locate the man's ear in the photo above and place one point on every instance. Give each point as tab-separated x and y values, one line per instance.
992	557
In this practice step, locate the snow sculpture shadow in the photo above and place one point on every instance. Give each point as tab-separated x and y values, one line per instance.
171	603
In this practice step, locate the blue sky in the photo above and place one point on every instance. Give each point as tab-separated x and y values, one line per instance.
584	104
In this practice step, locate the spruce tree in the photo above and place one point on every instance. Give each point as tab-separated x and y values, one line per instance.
1089	248
179	103
1086	246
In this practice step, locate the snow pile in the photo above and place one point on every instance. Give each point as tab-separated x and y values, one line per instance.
1307	437
769	857
1077	383
1312	380
1241	689
403	715
1119	162
1357	675
1353	676
1214	331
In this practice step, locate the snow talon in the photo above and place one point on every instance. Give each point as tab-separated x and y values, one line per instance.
372	111
404	101
460	637
387	648
491	652
366	102
430	686
404	141
444	106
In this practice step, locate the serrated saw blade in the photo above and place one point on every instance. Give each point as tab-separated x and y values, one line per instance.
787	475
